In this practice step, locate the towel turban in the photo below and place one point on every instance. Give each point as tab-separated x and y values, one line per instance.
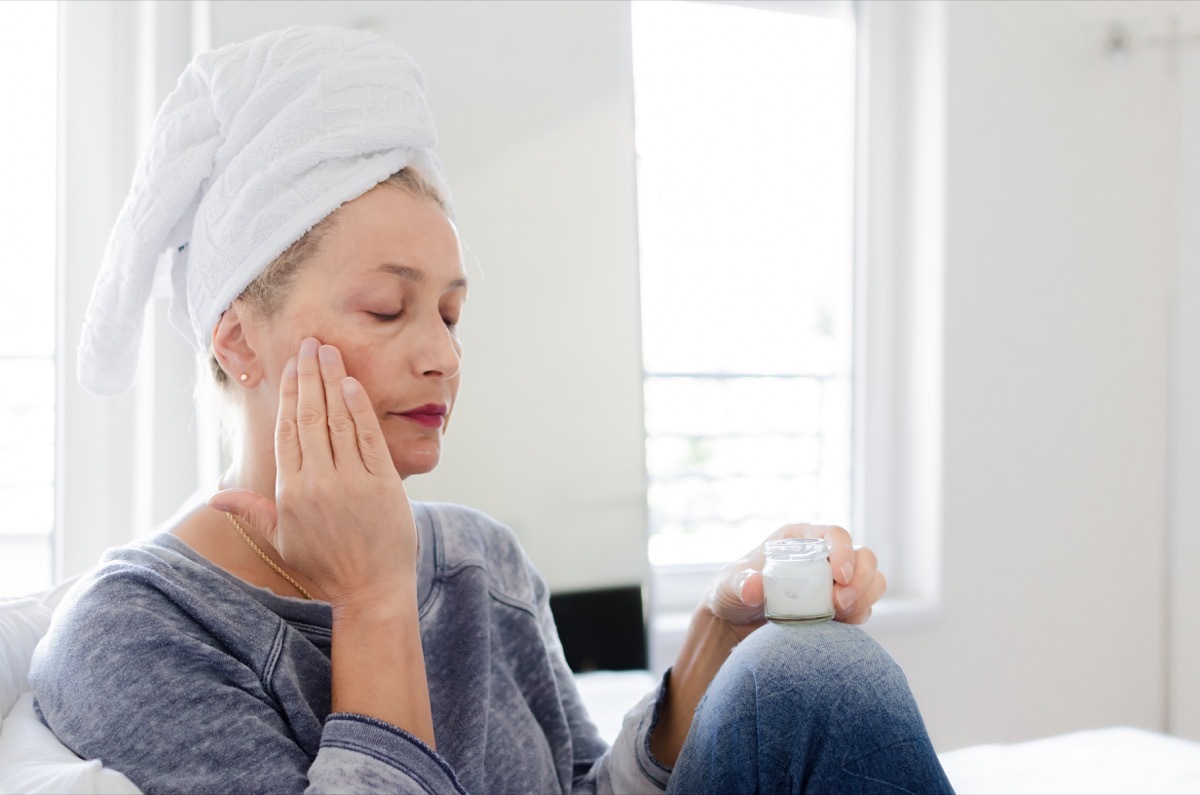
257	143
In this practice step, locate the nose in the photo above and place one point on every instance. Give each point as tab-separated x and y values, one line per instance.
438	354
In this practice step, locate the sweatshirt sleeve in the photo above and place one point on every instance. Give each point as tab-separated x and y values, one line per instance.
127	675
626	767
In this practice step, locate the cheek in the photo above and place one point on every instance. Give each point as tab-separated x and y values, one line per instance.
358	362
363	363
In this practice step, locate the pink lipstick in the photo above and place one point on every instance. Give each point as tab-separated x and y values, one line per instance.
430	415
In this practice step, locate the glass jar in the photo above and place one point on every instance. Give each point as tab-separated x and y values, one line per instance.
798	580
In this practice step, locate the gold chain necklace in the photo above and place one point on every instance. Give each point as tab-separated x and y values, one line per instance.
270	562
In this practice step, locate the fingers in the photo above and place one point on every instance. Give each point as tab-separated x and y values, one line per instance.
858	584
253	511
311	418
372	447
342	438
841	554
736	595
841	550
752	591
856	600
866	603
287	434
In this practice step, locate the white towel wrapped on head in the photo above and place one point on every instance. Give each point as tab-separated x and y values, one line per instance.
258	142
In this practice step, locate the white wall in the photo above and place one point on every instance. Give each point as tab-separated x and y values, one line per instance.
534	105
1060	245
1183	545
1059	254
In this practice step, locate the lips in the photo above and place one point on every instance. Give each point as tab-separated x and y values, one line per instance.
431	415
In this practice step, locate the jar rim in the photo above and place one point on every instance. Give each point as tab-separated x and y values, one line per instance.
799	547
784	543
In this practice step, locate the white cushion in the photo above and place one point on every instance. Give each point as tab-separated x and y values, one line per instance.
608	695
22	624
32	760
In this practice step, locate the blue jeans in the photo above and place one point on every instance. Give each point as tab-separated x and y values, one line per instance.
814	708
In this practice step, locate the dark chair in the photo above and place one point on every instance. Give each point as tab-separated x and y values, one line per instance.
602	629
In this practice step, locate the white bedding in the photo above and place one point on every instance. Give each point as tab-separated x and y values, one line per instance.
1114	760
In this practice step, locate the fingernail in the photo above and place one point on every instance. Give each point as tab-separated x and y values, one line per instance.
308	347
289	369
327	354
848	571
741	585
350	387
846	597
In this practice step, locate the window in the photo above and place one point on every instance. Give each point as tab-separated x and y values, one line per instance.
28	46
745	134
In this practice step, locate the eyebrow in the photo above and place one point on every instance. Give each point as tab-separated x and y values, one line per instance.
415	275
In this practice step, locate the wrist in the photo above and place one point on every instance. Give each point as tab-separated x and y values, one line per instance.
708	642
380	603
706	646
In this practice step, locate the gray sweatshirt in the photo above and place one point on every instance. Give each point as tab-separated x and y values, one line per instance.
187	679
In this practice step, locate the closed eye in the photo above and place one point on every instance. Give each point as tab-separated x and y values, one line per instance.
384	317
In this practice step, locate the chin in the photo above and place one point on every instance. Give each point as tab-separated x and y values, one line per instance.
415	462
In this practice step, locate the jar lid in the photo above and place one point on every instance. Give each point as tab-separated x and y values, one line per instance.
797	549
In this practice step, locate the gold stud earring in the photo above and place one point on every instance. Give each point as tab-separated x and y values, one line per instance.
244	377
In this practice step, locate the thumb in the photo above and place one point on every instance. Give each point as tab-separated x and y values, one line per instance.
250	509
752	588
736	595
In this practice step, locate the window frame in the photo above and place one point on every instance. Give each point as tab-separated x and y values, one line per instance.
898	322
122	464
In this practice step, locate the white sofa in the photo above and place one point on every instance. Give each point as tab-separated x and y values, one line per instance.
1116	760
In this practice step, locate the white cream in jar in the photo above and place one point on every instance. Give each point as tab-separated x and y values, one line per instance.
798	580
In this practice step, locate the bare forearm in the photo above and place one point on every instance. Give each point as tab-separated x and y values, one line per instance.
708	643
378	663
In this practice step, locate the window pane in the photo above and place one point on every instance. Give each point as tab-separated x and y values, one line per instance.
26	417
745	141
28	141
28	47
24	565
732	456
732	405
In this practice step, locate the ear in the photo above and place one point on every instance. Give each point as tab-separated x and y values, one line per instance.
232	345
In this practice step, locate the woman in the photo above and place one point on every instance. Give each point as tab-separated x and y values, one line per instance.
307	627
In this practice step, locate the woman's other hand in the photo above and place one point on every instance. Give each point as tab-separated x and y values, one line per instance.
733	608
736	595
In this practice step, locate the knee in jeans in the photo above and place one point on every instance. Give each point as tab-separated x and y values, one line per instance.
821	706
813	662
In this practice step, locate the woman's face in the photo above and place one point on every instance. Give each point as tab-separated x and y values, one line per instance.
387	288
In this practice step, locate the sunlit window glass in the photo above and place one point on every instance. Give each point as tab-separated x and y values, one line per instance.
28	49
745	144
